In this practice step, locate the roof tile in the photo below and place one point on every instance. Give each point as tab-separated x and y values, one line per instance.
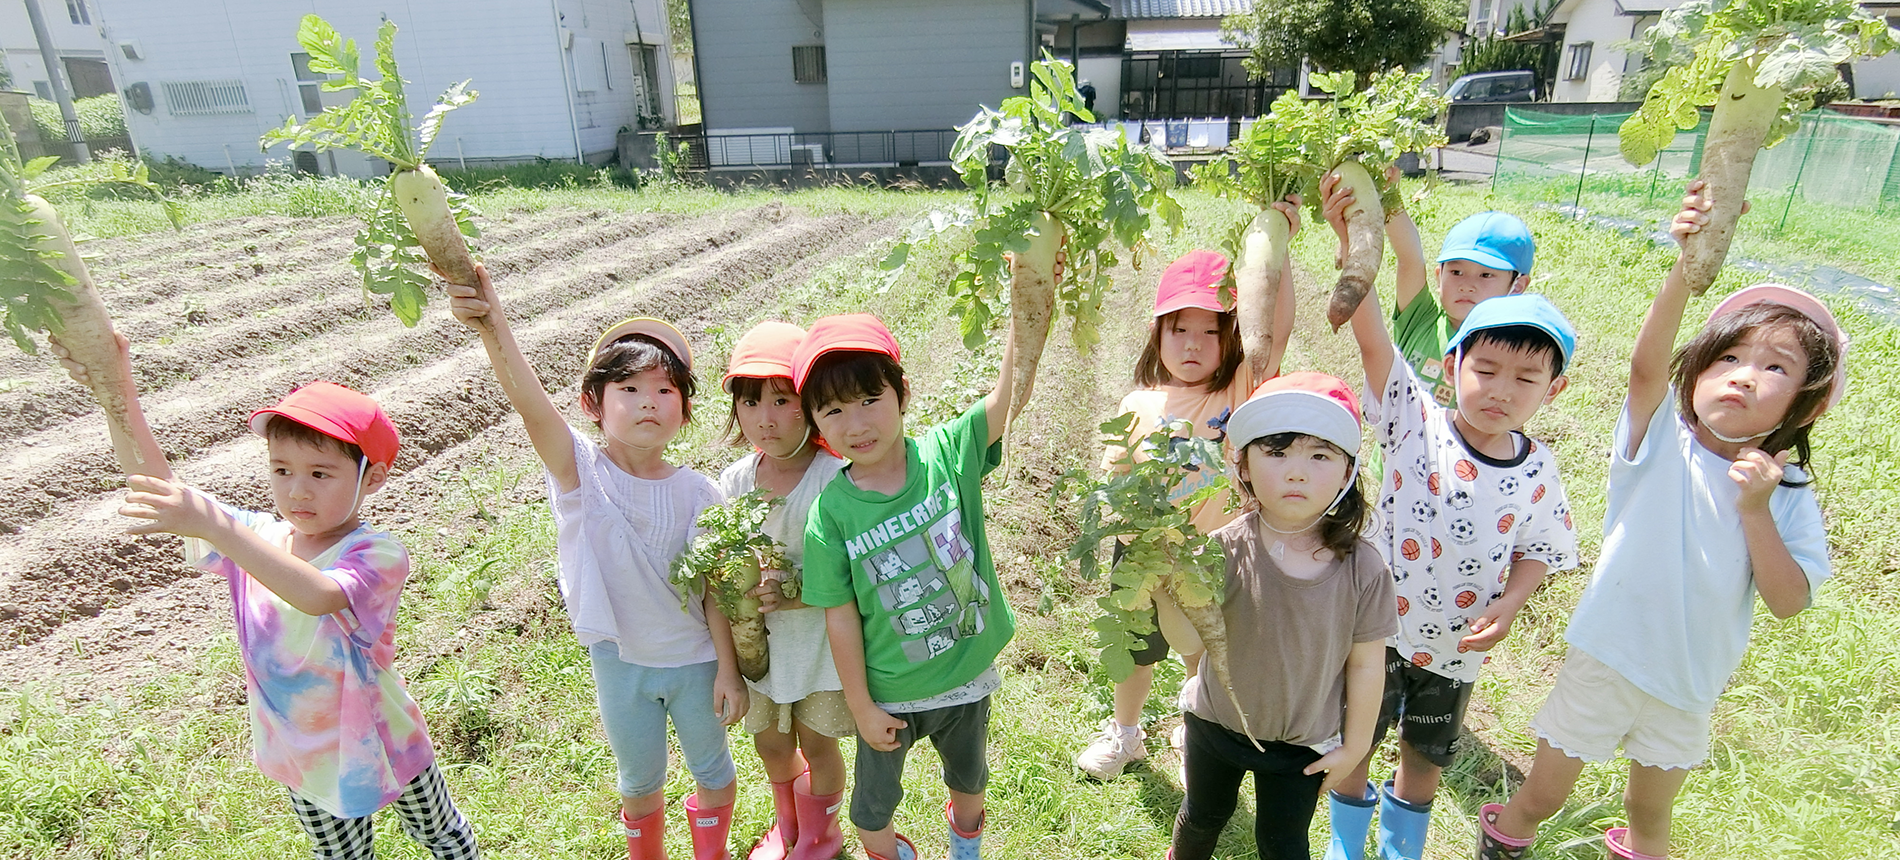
1140	9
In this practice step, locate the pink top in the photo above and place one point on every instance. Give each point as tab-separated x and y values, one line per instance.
330	717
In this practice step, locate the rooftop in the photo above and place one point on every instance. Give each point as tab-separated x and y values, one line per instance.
1131	10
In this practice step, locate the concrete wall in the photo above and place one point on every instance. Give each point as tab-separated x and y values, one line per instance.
745	64
69	39
1877	78
920	64
1596	22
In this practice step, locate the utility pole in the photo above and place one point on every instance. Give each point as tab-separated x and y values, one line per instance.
56	72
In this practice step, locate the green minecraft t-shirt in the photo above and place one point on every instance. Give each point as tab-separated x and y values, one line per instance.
1422	332
917	563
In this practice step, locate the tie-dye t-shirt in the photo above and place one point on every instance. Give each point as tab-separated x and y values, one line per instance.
330	717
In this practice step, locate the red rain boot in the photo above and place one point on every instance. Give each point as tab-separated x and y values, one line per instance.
820	837
646	838
709	827
777	842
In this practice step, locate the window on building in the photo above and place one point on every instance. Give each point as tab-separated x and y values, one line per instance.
309	84
76	10
202	98
808	64
1481	24
1197	66
1579	66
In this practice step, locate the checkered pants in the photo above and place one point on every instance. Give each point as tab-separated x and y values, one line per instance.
428	816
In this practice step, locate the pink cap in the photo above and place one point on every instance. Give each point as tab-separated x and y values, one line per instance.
1193	281
339	413
764	352
844	332
1808	306
1315	404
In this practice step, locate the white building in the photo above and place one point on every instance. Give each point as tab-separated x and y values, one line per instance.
202	81
73	26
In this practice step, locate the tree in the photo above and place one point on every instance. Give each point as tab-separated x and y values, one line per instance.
1359	36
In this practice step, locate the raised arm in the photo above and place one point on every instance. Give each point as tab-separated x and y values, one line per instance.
163	506
1408	255
479	308
996	403
1656	340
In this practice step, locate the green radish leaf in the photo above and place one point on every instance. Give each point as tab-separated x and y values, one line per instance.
32	169
899	255
452	98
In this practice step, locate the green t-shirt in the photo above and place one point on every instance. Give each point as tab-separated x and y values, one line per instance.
917	563
1422	331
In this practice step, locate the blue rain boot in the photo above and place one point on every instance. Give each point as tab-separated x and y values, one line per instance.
964	846
1402	827
1352	819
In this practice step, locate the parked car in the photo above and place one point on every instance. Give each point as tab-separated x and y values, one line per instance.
1518	86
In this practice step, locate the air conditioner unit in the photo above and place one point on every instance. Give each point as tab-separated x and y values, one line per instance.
132	50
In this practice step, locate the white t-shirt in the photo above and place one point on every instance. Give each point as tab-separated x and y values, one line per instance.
617	536
801	654
1455	520
1673	596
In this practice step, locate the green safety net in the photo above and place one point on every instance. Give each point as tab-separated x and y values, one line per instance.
1832	160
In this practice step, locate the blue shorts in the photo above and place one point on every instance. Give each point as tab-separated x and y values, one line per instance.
635	702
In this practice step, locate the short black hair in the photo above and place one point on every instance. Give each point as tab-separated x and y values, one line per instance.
628	357
1525	339
280	427
850	374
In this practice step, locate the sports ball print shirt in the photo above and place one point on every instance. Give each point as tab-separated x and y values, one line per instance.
1455	520
330	717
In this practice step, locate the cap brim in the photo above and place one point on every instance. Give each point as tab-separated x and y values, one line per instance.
652	327
1184	304
755	370
1481	257
1294	411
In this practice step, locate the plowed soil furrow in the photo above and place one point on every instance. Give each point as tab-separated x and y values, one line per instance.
66	561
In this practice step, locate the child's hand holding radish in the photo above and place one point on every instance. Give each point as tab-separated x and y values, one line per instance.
163	507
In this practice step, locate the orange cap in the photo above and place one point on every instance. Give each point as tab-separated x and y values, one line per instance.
764	352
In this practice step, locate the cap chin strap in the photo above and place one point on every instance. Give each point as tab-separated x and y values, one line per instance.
801	446
1742	439
362	468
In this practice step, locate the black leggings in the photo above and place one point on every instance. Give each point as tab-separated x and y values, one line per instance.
1284	798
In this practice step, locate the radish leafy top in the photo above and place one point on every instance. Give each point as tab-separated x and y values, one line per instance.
732	536
29	279
376	123
1794	46
1303	138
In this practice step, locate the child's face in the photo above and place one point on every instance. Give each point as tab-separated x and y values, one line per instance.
644	410
315	488
867	431
1190	345
773	423
1500	388
1748	390
1295	485
1462	284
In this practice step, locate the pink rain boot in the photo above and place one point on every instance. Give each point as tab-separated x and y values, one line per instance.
777	843
710	827
819	836
1617	838
646	838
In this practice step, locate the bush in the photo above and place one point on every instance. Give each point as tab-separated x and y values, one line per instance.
99	117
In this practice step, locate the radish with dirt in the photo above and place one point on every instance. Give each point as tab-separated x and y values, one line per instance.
1758	64
417	219
46	288
622	515
725	564
1068	192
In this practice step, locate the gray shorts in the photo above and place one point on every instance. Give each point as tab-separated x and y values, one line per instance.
961	735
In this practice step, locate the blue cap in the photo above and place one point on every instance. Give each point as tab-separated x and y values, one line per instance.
1498	240
1531	310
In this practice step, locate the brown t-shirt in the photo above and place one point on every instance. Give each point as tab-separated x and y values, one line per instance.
1208	412
1288	639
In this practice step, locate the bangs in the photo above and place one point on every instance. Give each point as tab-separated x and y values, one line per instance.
851	375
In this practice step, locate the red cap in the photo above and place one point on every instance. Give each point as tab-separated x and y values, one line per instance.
1193	281
339	413
1305	402
859	332
764	352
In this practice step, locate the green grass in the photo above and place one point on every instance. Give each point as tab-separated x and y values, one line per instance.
1806	756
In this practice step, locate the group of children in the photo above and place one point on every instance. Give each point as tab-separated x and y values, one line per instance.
1352	615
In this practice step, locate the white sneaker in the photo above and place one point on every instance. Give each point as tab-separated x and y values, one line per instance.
1111	751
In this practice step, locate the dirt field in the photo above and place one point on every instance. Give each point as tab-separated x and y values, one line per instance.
227	317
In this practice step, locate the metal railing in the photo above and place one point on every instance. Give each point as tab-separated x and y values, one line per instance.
726	151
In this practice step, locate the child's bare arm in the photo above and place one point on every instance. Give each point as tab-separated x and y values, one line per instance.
1365	687
1494	623
996	403
167	507
1783	585
1656	340
479	308
878	729
155	464
730	699
1375	345
1408	255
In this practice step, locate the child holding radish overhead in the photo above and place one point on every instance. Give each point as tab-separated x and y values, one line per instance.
798	709
1474	516
621	514
1308	607
1709	505
897	552
315	591
1192	368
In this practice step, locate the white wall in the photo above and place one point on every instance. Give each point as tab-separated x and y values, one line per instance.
1106	74
1595	21
1877	78
23	50
513	51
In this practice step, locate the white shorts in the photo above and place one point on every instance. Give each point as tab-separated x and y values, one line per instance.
1594	709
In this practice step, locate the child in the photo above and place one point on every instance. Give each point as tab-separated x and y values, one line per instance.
621	514
798	709
897	552
1474	516
1308	608
315	593
1705	509
1485	256
1192	368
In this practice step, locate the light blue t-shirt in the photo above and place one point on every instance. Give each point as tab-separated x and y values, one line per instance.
1673	596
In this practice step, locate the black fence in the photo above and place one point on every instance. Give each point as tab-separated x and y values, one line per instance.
726	151
30	150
